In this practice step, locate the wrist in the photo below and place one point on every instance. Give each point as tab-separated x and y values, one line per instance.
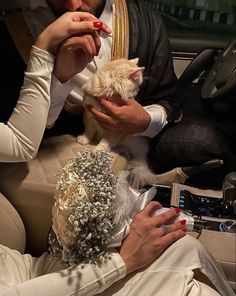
60	73
146	121
44	42
129	265
61	78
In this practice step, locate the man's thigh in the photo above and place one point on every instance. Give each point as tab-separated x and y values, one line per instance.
190	142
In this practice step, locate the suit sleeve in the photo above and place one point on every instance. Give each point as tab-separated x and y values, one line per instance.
149	41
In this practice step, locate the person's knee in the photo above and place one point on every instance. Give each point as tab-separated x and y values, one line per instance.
184	145
188	242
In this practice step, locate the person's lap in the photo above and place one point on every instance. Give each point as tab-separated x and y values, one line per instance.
190	142
172	273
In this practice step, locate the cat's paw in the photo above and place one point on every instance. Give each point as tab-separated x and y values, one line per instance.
101	147
83	140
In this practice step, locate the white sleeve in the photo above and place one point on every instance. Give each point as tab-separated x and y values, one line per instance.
158	120
83	280
21	136
59	93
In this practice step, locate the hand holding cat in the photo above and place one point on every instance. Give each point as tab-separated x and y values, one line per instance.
127	119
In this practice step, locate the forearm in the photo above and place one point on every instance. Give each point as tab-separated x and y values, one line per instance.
21	136
84	279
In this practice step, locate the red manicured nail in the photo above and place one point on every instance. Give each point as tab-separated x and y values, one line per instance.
182	222
177	210
184	230
100	25
97	24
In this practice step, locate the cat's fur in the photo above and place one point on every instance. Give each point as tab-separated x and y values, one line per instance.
121	77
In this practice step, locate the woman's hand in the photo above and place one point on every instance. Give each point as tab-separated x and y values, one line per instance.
69	24
147	240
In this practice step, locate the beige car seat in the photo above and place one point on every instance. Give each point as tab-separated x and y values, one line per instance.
12	230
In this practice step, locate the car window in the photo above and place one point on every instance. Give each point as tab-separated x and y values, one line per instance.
199	23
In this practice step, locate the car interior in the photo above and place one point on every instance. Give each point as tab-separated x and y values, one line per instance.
205	65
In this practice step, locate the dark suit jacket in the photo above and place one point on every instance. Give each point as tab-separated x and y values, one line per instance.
149	41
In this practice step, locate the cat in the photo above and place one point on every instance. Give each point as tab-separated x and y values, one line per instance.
122	77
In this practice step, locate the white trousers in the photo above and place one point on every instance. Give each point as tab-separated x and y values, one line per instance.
170	274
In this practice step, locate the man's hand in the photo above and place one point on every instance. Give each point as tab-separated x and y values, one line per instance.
122	119
146	240
74	55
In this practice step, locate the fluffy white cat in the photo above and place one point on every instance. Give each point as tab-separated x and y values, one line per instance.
122	77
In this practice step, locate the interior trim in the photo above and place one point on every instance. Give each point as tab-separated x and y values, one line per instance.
195	43
184	55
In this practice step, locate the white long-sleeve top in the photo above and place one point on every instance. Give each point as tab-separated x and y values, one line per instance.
21	136
23	275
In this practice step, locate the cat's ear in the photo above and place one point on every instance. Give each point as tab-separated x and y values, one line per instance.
134	61
135	73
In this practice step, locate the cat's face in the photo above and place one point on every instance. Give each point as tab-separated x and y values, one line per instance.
126	76
118	77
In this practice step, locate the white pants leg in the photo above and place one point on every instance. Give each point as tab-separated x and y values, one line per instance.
171	274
